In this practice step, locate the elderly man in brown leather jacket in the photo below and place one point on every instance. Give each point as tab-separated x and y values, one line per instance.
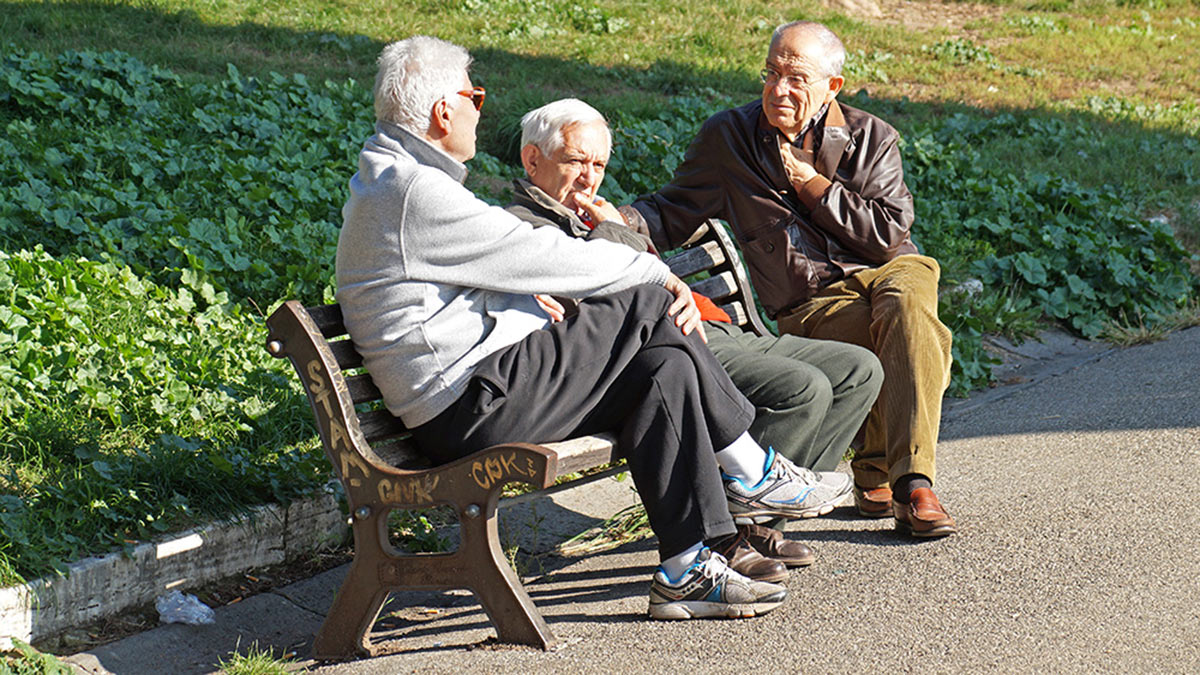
815	194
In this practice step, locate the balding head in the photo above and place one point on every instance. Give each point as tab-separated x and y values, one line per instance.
789	38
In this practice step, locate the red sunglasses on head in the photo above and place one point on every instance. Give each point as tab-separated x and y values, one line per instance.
476	94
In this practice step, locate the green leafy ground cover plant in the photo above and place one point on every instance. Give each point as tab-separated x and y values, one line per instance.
23	659
131	409
239	182
203	179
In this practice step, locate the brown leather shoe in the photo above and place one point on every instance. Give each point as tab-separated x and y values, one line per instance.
772	544
748	562
923	516
874	503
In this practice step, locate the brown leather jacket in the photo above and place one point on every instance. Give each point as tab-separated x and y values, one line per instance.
856	214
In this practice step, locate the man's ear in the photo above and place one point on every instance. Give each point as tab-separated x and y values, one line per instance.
530	156
835	85
439	120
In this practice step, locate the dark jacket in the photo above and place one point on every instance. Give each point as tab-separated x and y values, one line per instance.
531	204
856	214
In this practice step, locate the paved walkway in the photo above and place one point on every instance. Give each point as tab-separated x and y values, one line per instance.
1078	552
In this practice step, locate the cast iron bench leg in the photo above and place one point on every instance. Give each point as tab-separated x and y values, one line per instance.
498	587
344	634
479	565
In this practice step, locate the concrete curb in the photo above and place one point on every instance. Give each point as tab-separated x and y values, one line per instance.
102	586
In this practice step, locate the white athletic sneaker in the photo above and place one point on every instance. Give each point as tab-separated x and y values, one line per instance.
786	491
710	589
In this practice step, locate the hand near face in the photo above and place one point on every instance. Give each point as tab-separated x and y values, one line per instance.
797	162
599	209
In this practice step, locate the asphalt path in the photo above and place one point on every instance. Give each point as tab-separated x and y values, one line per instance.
1078	551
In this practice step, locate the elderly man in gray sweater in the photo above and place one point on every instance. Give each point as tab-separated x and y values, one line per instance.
438	292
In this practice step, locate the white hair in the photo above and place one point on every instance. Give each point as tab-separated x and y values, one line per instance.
543	126
414	74
832	50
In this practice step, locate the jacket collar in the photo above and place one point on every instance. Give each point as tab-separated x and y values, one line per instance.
835	136
525	191
421	150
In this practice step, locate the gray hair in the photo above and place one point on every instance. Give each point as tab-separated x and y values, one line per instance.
414	74
543	126
832	50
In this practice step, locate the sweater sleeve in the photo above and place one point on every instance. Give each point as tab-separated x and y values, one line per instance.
449	236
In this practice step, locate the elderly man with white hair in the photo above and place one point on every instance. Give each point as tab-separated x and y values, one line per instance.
437	290
810	396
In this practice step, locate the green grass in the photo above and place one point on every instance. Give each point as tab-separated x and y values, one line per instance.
257	661
201	189
1061	60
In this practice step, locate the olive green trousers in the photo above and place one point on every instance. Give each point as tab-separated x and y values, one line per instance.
893	311
810	396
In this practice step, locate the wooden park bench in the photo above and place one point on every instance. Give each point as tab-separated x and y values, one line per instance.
382	470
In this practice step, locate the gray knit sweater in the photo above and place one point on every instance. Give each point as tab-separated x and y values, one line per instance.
431	279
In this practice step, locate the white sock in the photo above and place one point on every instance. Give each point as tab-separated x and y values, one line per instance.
744	459
676	565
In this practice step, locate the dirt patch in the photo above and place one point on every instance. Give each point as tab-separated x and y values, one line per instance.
925	15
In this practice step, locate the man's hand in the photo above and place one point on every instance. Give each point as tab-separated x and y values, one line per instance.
797	162
552	307
687	315
600	209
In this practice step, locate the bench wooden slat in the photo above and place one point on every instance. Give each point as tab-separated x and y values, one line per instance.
716	288
584	452
401	453
345	353
329	319
736	312
704	257
378	425
362	388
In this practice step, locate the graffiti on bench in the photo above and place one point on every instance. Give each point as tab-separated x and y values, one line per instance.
487	472
493	470
409	490
339	437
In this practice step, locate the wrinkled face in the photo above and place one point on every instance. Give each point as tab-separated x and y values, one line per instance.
577	166
796	84
460	143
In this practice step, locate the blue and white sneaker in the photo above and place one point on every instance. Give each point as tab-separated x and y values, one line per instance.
710	589
786	491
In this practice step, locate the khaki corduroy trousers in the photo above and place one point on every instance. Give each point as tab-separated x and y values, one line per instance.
891	310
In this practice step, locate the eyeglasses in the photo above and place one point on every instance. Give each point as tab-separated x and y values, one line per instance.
476	94
769	76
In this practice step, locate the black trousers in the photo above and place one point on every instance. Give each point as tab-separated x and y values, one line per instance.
619	365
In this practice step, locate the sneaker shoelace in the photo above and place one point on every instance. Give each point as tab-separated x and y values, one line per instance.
806	476
717	568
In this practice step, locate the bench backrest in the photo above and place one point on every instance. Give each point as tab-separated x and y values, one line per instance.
348	407
711	250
